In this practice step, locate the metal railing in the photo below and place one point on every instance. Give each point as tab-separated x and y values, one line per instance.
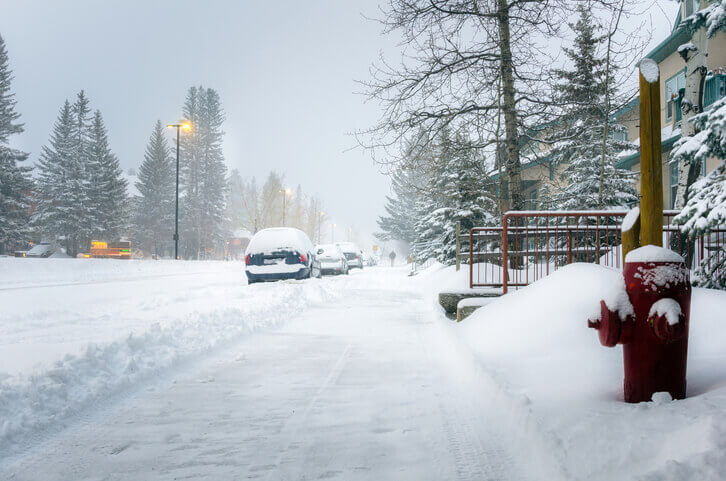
533	244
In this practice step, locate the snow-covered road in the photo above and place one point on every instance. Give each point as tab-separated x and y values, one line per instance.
367	384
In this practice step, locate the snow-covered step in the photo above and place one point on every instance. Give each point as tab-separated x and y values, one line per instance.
449	300
467	306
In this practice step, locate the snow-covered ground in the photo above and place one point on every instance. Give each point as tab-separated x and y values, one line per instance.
551	377
169	370
73	331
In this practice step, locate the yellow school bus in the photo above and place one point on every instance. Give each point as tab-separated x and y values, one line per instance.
114	250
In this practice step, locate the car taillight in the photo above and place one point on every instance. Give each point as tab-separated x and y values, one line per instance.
303	259
247	260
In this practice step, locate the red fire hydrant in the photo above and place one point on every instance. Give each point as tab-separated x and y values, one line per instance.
655	338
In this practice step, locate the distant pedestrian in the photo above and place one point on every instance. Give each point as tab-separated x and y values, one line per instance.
392	255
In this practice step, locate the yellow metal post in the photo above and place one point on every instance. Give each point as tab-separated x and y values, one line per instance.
651	171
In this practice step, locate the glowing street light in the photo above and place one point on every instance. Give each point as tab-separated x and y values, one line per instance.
186	127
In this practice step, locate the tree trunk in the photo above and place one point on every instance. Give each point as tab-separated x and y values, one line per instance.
508	106
606	116
514	175
692	104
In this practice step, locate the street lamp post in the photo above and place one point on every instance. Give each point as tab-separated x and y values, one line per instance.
333	232
285	193
176	206
320	225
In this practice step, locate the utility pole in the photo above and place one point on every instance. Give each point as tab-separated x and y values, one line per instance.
176	205
651	172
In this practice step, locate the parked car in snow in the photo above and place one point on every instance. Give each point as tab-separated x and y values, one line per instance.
332	260
42	250
367	259
280	253
352	254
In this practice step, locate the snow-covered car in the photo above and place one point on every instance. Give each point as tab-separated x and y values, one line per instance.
42	250
352	254
367	259
280	253
332	260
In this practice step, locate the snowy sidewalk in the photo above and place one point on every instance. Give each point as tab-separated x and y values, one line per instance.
367	387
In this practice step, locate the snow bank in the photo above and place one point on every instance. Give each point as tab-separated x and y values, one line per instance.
19	272
474	302
565	389
66	347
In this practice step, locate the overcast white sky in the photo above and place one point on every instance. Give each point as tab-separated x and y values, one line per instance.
285	71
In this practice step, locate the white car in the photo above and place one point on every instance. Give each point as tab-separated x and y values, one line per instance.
352	254
280	253
332	260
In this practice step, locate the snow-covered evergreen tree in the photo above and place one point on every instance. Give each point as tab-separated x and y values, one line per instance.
62	186
154	208
203	174
399	221
235	213
81	190
15	181
107	208
706	206
457	194
579	131
408	184
712	17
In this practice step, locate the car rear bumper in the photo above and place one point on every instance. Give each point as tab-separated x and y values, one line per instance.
329	271
303	273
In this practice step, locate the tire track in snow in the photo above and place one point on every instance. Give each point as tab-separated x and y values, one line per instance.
292	426
478	450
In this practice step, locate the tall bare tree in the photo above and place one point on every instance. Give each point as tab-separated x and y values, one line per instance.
456	53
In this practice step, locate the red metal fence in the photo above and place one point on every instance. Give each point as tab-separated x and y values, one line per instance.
533	244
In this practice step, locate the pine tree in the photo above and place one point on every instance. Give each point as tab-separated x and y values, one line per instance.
579	135
62	186
154	208
706	205
107	186
235	201
458	195
408	184
204	174
15	181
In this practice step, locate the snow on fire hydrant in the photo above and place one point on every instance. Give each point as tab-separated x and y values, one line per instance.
655	338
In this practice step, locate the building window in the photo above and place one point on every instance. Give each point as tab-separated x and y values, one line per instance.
692	7
532	201
619	134
674	182
673	88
